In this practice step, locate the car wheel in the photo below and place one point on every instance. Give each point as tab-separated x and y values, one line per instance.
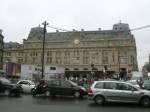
77	94
145	101
47	93
99	100
33	92
7	92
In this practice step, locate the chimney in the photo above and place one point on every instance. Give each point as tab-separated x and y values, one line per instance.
82	30
73	30
99	29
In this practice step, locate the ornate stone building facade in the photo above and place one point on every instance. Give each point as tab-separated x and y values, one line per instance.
106	50
1	49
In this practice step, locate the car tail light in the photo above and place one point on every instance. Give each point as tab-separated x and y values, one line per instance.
90	92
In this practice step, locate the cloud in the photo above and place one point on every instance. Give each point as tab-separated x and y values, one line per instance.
18	16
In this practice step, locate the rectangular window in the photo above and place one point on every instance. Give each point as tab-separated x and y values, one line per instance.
85	53
123	60
58	60
76	53
113	57
85	60
67	53
49	60
105	59
49	53
20	60
58	53
52	68
66	60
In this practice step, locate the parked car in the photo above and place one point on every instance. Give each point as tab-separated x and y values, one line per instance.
9	89
146	84
27	85
148	76
134	83
117	91
136	79
59	87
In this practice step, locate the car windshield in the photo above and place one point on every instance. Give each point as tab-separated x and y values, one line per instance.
32	83
74	84
4	80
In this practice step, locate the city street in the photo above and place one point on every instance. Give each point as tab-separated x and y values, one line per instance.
27	103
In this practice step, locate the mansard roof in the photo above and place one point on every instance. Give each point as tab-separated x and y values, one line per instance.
12	45
37	34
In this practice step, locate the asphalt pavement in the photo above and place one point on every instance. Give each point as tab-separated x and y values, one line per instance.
27	103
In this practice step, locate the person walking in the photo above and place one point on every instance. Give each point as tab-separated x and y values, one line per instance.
140	82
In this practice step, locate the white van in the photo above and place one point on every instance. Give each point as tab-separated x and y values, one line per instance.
134	78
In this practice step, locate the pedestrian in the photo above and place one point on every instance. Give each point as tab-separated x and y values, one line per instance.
140	82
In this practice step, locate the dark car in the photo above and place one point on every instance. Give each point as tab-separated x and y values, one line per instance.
9	89
59	87
146	84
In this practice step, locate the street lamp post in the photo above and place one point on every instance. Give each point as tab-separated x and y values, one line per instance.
92	72
6	68
44	33
133	68
119	63
2	50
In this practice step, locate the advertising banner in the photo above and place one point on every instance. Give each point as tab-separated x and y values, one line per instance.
13	69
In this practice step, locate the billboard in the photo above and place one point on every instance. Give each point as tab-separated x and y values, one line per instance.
13	69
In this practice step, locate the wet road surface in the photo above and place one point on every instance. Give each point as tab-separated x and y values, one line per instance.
27	103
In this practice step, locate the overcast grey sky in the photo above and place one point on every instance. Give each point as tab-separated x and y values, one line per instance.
17	17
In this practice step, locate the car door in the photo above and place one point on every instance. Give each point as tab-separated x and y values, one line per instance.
110	91
127	93
54	87
25	86
66	88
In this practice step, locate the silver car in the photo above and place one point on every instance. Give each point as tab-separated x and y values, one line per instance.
117	91
26	85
